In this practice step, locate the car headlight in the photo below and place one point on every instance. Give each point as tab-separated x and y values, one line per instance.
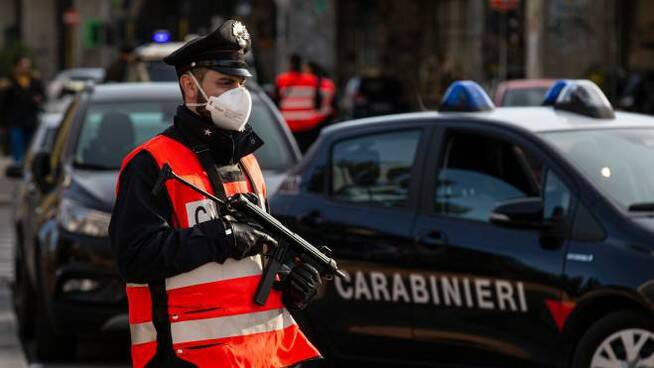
76	218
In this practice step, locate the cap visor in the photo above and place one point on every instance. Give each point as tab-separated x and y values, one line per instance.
241	72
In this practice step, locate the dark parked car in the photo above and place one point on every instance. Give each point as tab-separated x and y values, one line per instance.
518	237
66	276
371	96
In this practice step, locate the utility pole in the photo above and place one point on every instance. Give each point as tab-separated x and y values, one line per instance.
281	40
534	10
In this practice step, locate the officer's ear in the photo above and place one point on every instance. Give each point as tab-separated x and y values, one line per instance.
189	89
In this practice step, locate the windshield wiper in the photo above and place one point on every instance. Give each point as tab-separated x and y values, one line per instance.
642	207
89	166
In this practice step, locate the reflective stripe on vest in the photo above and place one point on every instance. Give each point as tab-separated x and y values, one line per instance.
211	311
297	93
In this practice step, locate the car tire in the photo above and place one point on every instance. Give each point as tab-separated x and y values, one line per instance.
24	299
51	346
623	338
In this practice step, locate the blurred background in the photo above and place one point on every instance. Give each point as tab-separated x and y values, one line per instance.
427	43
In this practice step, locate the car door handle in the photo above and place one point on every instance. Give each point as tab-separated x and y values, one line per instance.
312	219
433	239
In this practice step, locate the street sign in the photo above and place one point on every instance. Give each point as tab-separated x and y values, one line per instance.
71	17
504	5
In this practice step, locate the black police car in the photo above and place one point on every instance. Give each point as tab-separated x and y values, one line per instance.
67	285
484	237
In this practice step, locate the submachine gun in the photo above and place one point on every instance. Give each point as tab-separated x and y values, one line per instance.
290	245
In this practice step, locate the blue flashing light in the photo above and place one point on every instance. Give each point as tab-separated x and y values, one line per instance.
161	36
579	96
465	96
554	92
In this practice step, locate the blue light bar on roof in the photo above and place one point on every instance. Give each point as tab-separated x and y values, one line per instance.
554	91
161	36
580	96
465	96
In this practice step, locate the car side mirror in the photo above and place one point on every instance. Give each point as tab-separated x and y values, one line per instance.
41	170
14	171
522	213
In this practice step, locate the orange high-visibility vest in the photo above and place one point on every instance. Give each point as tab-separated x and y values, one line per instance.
296	100
213	319
327	90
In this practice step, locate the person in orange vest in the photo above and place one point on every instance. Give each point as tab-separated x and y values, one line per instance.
192	274
295	93
325	93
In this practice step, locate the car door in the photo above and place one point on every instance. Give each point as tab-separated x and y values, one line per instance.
494	289
365	217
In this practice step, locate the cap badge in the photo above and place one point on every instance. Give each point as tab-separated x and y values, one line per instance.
240	33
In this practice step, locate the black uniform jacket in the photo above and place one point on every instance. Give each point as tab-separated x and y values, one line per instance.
19	105
146	247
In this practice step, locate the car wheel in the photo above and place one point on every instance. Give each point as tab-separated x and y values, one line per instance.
51	346
24	299
621	339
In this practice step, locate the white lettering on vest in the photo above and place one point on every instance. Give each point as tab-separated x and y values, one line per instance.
200	211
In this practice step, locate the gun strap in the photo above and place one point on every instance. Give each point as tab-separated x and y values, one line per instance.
255	188
204	154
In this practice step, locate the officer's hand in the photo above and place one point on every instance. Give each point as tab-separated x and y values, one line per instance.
248	240
300	286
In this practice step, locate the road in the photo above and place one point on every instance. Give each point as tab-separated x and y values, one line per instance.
104	353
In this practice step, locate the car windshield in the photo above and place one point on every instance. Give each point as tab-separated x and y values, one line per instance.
617	161
160	72
112	129
524	96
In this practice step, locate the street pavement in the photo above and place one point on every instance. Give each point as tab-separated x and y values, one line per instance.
104	353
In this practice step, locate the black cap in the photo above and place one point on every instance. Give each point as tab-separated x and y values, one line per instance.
222	50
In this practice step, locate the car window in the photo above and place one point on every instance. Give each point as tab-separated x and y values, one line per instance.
374	169
556	198
60	139
617	161
524	96
160	72
480	171
112	129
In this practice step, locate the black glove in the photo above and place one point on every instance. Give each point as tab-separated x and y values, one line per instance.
248	240
300	286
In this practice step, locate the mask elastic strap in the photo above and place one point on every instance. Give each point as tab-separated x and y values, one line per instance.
201	91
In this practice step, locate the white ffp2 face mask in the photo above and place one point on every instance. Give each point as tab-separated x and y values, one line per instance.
230	110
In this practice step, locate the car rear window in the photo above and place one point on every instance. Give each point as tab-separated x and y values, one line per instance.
112	129
524	96
160	72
